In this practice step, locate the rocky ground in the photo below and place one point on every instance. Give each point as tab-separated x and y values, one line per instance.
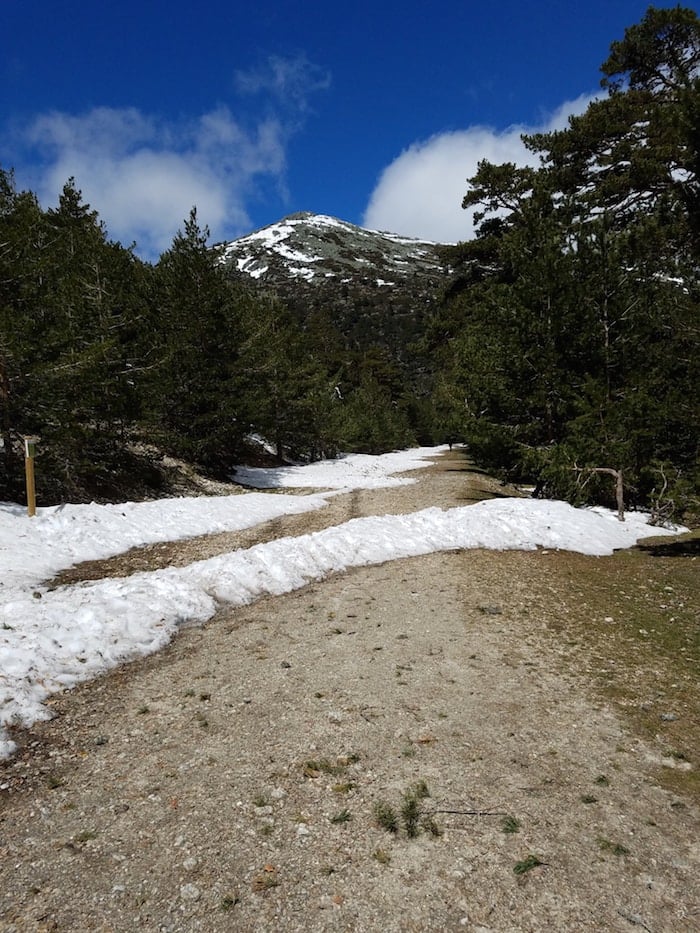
482	741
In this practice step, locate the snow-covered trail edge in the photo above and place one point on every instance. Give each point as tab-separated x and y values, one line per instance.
75	633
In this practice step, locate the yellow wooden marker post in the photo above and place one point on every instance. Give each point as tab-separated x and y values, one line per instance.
29	454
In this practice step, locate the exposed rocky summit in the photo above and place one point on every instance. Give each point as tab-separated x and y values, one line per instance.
317	248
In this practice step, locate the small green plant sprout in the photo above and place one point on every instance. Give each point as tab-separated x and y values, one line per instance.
410	814
386	817
430	826
527	864
260	800
613	847
602	780
420	790
381	856
510	824
411	808
344	816
229	902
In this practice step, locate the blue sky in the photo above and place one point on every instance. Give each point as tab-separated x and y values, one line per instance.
374	112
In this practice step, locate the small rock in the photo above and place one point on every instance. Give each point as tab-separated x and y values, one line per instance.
680	864
190	892
303	830
190	864
285	664
675	764
669	717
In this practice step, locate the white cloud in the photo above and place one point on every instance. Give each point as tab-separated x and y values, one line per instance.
143	175
420	193
290	81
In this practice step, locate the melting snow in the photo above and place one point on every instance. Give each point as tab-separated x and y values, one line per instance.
53	639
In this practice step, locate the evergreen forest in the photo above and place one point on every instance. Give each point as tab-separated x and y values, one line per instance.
561	343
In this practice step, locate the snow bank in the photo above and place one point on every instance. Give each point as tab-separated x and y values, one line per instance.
50	640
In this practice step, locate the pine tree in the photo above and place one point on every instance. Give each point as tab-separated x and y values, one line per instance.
593	286
193	399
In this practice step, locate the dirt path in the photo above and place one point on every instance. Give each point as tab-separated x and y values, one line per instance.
236	780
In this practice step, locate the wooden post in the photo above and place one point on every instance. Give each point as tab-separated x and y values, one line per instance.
29	452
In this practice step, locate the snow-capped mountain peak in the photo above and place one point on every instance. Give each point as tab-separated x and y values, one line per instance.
316	248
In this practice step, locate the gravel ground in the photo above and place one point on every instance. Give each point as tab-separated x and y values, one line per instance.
247	777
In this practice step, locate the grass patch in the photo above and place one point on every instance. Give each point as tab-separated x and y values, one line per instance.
527	864
410	814
510	824
344	816
634	618
386	817
315	767
614	848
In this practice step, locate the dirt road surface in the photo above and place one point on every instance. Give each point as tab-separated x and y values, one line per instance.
464	741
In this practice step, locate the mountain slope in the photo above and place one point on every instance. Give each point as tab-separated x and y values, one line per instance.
316	248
